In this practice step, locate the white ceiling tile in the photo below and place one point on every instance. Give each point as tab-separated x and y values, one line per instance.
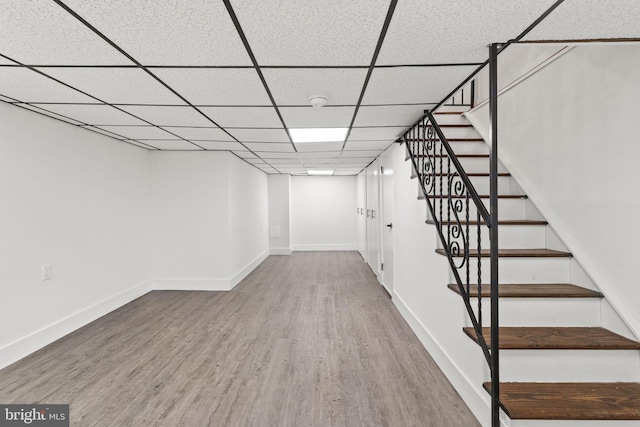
413	85
176	144
245	154
376	134
260	135
279	162
219	86
292	170
294	86
201	134
138	132
94	114
29	86
319	32
356	153
590	19
169	116
217	145
397	115
41	110
439	32
319	146
310	117
138	144
43	33
257	117
116	85
6	61
328	165
273	147
168	32
369	145
7	99
275	155
348	171
315	155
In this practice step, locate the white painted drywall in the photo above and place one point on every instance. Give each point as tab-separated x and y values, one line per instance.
279	213
248	213
80	202
190	219
323	213
568	134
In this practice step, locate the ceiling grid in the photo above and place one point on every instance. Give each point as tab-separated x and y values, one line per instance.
236	75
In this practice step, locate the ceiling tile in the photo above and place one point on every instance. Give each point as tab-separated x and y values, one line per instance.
260	135
398	115
28	86
44	111
219	86
168	32
244	154
279	162
138	144
201	134
376	134
321	32
256	117
590	19
169	116
43	33
439	32
319	146
294	86
217	145
273	147
310	117
94	114
340	171
138	132
413	85
275	155
315	155
328	165
175	144
360	153
369	145
116	85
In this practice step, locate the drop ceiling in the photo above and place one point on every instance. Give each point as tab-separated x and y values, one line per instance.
234	75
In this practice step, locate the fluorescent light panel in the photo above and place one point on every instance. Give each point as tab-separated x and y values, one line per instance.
302	135
319	172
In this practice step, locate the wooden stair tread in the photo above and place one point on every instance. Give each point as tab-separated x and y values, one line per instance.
570	401
461	125
535	290
486	174
449	139
517	253
449	112
460	156
500	222
482	196
556	338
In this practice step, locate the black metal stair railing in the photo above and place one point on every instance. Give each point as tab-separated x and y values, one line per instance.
456	210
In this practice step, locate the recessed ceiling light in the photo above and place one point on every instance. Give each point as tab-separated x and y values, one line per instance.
318	134
319	172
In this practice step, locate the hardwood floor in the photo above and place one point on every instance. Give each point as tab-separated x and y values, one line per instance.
309	339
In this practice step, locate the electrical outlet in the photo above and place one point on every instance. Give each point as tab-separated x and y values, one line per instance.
47	272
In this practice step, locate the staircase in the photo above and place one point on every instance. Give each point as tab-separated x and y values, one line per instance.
558	365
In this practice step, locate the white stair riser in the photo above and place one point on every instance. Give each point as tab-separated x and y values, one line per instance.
460	132
470	165
524	270
506	184
507	208
543	311
569	365
510	236
468	147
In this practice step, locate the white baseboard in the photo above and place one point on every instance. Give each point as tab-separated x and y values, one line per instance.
329	247
280	251
208	284
237	278
476	399
22	347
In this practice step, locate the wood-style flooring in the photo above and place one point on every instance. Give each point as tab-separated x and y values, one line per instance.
309	339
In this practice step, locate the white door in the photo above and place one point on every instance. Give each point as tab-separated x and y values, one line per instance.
386	217
372	214
362	215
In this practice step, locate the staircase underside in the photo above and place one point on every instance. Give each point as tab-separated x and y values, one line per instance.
570	401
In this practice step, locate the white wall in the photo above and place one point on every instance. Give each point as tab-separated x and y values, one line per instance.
279	213
568	134
80	202
209	219
248	215
323	213
190	218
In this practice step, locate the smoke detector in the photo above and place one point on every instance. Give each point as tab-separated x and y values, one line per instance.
318	100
